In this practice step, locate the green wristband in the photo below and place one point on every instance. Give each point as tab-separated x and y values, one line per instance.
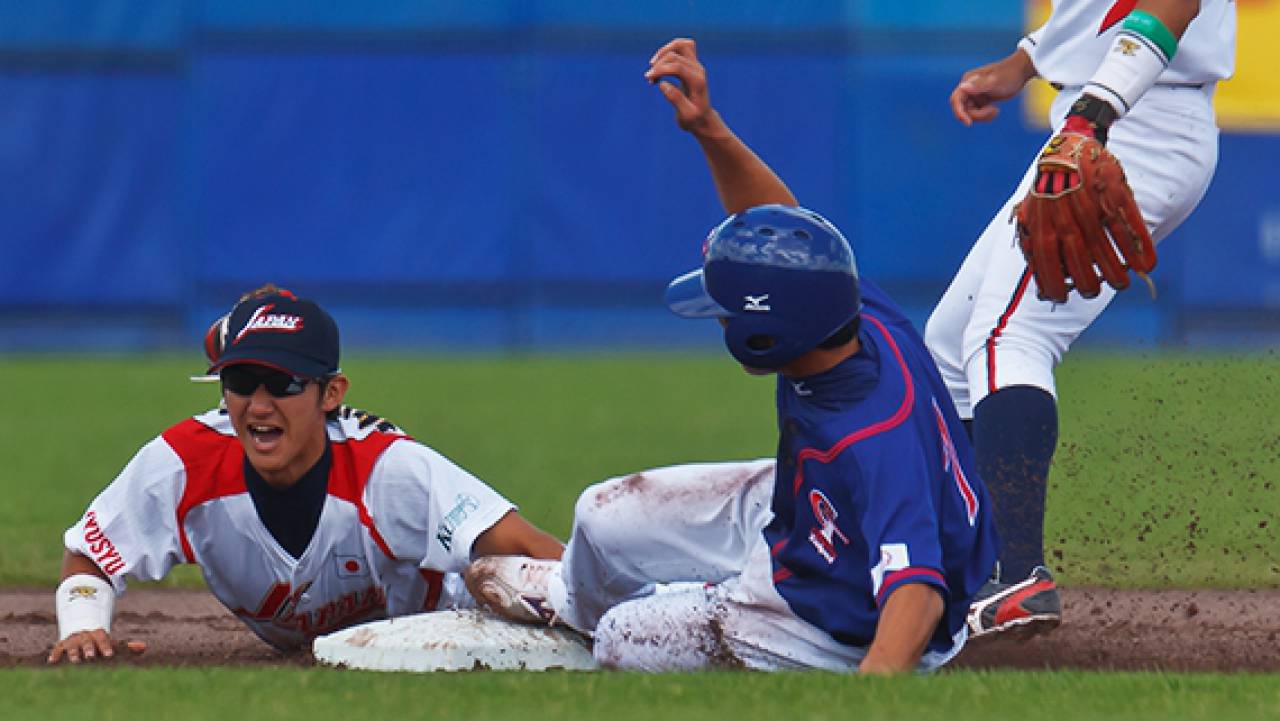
1150	27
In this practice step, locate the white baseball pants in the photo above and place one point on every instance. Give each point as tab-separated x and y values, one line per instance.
989	330
670	569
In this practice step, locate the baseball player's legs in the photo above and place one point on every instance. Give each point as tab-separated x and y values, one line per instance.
693	522
1168	148
1014	341
944	332
703	628
741	623
1011	346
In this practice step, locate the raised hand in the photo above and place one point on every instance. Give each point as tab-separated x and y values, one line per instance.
975	97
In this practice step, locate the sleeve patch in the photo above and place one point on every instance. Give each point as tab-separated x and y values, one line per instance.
893	557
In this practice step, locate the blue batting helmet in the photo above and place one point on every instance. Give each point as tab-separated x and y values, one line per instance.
783	278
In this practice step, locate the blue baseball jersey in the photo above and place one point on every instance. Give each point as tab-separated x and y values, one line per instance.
876	487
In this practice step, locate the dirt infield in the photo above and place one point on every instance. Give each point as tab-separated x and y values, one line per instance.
1102	629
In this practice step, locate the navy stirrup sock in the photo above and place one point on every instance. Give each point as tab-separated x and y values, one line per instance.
1015	431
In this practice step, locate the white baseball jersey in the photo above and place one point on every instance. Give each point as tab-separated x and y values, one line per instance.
989	330
1069	47
397	518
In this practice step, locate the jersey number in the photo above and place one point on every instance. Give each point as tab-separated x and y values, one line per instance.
951	464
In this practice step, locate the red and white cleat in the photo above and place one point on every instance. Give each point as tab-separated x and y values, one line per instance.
1028	607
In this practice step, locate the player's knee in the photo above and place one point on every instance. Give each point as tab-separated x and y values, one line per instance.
591	522
603	510
627	639
609	642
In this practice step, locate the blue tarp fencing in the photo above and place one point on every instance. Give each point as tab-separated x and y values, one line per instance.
498	174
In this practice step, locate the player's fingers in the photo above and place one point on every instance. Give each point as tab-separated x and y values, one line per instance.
684	107
959	106
676	65
688	72
659	70
984	113
678	46
972	83
73	648
970	104
101	641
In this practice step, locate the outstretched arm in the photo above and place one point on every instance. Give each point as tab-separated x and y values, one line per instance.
512	535
907	620
742	179
976	97
89	643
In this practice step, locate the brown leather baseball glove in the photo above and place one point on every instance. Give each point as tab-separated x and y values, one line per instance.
1079	224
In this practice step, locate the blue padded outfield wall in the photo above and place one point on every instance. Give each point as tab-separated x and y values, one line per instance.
497	174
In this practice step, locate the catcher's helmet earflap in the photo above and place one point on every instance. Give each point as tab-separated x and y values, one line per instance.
783	279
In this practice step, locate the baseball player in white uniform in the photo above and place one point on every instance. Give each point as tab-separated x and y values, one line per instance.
1137	76
304	515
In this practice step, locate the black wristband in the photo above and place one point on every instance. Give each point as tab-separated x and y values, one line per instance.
1097	112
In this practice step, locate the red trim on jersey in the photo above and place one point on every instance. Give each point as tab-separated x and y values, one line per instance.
994	338
774	550
900	415
435	584
908	572
1117	13
215	468
214	463
353	461
271	603
952	464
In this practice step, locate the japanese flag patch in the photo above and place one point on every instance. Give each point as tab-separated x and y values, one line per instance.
351	566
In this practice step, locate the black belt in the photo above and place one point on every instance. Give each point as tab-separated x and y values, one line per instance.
1193	86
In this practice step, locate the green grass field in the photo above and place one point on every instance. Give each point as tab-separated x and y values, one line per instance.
320	695
1166	472
1165	477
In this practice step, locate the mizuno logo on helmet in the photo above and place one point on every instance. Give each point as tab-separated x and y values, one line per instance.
756	303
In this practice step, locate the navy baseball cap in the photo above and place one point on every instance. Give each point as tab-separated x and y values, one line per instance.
283	332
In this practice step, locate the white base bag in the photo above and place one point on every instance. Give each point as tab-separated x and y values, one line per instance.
454	641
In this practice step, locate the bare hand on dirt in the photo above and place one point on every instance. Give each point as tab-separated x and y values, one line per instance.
89	646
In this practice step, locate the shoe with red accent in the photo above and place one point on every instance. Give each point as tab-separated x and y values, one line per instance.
1026	608
514	587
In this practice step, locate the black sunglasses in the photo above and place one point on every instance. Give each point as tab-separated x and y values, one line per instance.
243	380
